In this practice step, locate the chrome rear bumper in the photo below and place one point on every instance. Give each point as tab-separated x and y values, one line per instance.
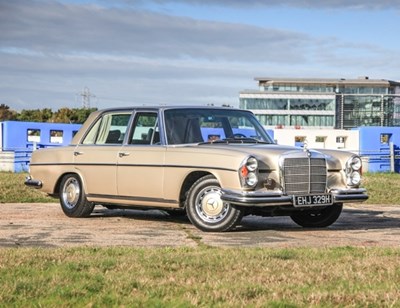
33	183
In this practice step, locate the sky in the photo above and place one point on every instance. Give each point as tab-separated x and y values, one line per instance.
194	52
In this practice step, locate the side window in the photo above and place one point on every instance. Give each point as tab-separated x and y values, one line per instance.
91	136
145	129
110	129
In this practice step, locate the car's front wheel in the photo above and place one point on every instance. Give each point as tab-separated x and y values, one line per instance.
72	197
318	218
207	211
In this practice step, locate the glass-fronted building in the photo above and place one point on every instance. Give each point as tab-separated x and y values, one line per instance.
331	103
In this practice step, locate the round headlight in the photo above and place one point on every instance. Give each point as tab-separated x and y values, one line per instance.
251	179
251	164
354	163
354	179
248	172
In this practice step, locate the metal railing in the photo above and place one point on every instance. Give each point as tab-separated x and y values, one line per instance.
383	159
18	159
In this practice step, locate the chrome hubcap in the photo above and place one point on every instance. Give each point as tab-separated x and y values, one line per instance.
71	193
209	205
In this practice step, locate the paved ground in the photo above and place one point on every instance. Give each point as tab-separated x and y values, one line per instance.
45	225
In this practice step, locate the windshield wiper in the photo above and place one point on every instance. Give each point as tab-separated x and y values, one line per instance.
235	140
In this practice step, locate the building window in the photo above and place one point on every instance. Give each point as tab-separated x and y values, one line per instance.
33	135
272	120
311	120
299	141
56	136
320	141
385	138
341	142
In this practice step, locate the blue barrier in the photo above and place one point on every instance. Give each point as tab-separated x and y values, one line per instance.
375	145
21	138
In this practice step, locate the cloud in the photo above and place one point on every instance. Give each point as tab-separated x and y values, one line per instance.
302	4
50	50
55	28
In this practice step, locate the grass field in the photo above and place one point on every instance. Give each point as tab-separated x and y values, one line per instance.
383	188
201	276
12	190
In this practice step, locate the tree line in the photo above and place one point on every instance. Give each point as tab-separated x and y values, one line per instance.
63	115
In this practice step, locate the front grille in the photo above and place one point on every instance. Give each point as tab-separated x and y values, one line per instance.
304	175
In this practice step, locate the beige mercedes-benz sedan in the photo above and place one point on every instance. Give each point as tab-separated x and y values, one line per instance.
214	164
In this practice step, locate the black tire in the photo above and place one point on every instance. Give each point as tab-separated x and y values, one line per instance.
318	218
72	197
207	211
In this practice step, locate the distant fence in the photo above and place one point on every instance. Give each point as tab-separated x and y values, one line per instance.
18	159
15	161
381	160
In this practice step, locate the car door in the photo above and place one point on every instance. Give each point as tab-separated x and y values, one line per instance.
96	157
141	162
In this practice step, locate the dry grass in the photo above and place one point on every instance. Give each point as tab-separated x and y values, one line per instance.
202	277
12	189
383	188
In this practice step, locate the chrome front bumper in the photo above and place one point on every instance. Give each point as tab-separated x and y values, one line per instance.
271	198
33	183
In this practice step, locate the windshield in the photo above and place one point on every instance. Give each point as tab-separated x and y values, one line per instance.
213	126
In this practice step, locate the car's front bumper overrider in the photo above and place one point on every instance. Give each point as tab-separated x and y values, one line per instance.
349	195
277	198
33	183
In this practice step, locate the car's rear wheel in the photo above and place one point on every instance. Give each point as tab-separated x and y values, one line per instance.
207	211
72	197
318	218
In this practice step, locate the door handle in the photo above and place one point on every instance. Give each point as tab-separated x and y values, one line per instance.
122	154
76	153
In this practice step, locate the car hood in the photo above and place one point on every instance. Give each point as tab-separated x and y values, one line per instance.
269	154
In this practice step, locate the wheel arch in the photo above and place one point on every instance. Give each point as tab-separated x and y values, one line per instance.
59	180
188	182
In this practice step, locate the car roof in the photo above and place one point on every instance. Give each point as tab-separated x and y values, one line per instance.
162	107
